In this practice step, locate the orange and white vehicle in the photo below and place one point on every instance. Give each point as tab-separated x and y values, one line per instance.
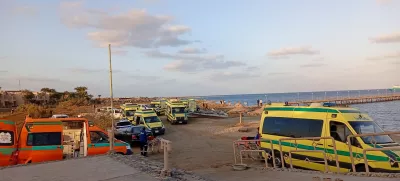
102	147
50	139
8	142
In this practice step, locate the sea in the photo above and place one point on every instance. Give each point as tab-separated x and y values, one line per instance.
386	114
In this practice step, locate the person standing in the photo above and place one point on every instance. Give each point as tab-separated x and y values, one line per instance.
77	147
260	102
143	142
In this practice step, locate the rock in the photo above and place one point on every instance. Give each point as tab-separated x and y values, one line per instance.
243	129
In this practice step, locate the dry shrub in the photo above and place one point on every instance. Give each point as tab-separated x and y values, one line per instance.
256	112
74	102
34	111
99	119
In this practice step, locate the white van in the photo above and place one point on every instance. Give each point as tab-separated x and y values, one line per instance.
60	116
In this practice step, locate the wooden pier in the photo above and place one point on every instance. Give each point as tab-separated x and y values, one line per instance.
357	100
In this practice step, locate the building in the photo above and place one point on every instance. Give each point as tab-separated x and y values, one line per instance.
10	99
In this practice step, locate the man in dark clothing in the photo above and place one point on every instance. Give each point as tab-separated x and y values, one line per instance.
258	136
143	142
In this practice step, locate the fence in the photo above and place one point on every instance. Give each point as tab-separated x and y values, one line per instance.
315	144
252	146
374	143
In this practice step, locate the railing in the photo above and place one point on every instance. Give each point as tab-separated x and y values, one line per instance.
166	145
252	146
374	143
314	144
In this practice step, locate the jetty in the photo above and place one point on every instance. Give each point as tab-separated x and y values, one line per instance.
356	100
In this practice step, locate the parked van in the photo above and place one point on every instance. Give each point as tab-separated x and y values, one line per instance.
8	143
129	112
149	119
156	106
326	120
49	139
176	112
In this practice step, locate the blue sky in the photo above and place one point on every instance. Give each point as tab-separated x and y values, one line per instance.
171	47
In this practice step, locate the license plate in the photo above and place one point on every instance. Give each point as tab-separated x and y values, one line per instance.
180	121
156	131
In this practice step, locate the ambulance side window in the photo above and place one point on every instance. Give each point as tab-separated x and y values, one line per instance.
43	139
98	137
339	131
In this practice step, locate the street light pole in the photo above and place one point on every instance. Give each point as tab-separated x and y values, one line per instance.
112	102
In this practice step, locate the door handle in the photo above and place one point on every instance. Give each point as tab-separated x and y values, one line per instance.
320	144
92	145
330	145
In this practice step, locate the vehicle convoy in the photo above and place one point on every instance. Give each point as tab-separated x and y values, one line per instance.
149	119
128	110
158	107
50	139
282	121
191	105
176	112
8	142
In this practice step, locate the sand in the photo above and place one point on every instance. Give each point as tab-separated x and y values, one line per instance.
204	146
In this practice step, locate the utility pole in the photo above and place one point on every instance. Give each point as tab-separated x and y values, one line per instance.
112	103
19	84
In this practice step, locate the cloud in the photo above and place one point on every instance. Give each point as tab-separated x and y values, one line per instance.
70	4
395	55
25	10
144	77
224	76
3	57
199	64
387	38
318	59
283	52
3	71
383	1
134	28
311	65
119	52
158	54
90	71
37	79
252	68
190	50
277	73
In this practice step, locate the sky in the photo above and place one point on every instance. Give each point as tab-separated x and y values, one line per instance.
195	48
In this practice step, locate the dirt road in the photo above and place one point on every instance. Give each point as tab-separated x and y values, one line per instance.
204	146
203	143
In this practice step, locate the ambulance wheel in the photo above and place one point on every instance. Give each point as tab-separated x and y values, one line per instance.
278	161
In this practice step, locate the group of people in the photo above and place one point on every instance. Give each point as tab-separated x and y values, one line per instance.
259	102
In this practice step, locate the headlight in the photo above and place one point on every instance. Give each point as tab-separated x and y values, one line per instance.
162	126
128	147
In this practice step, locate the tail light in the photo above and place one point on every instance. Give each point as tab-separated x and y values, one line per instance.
243	138
134	137
150	138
